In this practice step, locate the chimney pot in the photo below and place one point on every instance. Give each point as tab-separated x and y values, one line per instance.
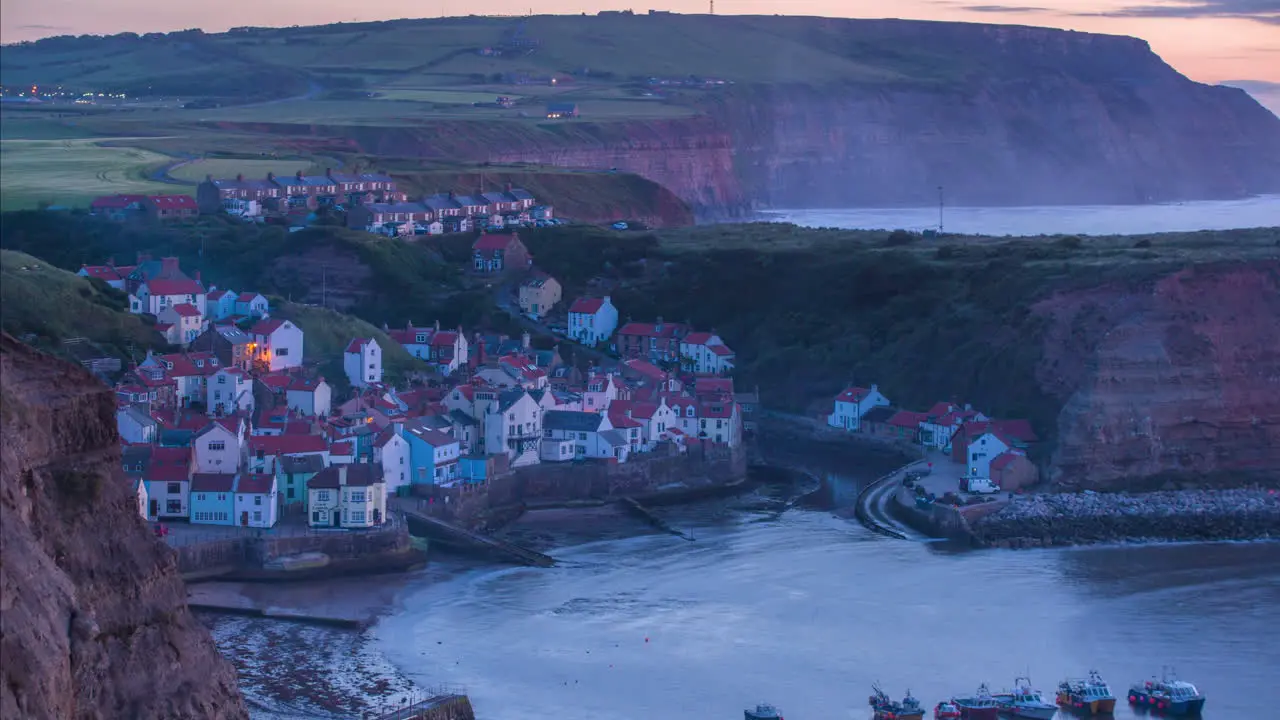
240	177
208	177
342	475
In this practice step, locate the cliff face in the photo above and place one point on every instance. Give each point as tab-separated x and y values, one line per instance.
1179	379
997	115
95	620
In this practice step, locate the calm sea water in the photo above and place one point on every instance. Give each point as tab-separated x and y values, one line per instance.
805	611
1261	211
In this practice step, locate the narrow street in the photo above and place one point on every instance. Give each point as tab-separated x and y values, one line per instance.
504	298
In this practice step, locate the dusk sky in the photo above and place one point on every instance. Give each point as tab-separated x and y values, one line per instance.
1209	40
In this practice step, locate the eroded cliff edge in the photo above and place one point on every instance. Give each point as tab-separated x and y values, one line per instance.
1177	381
95	621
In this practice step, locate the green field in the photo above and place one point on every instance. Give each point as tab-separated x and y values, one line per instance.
442	96
73	172
196	170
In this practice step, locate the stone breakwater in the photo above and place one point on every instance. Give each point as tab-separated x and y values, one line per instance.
1083	518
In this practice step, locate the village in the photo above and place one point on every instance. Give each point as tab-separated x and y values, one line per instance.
367	201
238	427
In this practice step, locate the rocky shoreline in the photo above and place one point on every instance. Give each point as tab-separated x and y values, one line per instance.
1050	520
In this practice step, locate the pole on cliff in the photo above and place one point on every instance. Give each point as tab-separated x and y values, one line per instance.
940	206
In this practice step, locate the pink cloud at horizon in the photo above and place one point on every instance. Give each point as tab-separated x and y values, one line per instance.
1208	40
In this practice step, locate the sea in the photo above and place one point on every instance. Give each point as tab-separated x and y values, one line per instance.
1258	211
806	610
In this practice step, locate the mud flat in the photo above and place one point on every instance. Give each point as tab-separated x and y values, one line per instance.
1086	518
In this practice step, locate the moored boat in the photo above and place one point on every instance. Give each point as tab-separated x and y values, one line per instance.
763	711
888	709
1167	695
979	706
1025	702
1092	696
946	711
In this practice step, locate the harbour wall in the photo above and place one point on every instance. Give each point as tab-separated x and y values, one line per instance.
254	556
652	477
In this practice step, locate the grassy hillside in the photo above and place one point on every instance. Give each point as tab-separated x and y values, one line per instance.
328	333
53	305
71	172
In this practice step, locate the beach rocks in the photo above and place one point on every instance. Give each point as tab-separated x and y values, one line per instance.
1077	518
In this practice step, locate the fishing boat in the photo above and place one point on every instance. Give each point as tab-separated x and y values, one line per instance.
946	711
763	711
1092	696
979	706
1025	702
1167	695
887	709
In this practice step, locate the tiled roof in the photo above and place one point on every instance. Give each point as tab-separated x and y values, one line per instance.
571	420
1004	460
697	338
213	482
358	475
115	202
852	395
879	415
181	286
665	330
287	444
187	310
647	369
587	305
103	272
716	410
216	295
247	297
255	483
266	327
358	344
721	350
301	464
490	242
434	438
446	337
342	449
907	419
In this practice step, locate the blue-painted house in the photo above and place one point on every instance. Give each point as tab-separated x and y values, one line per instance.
213	499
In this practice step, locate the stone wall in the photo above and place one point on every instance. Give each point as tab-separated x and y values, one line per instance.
254	551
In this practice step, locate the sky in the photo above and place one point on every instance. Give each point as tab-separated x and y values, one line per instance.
1211	41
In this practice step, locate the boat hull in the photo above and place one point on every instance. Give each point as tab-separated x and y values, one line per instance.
979	713
1032	713
1087	707
908	715
1180	708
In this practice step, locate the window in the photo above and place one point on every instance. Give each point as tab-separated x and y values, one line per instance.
217	445
357	496
257	499
282	352
200	496
174	488
357	516
222	379
289	493
173	507
688	412
257	515
323	496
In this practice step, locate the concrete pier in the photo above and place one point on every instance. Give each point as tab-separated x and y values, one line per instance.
635	508
447	534
450	706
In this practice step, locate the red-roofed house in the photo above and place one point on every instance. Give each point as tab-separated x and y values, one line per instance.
448	351
415	340
1006	433
976	445
656	420
164	208
109	274
116	207
265	449
538	294
492	254
220	446
257	498
659	379
229	391
1013	470
362	360
187	321
251	304
277	344
153	296
852	403
657	342
720	421
713	388
705	353
592	320
905	425
309	396
168	479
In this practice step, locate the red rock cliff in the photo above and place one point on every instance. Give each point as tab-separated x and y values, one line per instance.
1182	378
95	619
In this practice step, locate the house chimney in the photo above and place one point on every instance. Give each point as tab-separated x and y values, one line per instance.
437	325
658	325
525	340
875	387
606	299
298	175
342	475
451	195
208	178
328	172
169	264
240	177
271	177
508	187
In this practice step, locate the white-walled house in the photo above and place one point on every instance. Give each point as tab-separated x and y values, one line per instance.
135	425
592	320
586	430
347	496
153	296
229	391
391	451
256	500
705	353
362	361
220	303
277	344
601	390
982	450
449	350
510	424
309	396
852	403
220	446
251	304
